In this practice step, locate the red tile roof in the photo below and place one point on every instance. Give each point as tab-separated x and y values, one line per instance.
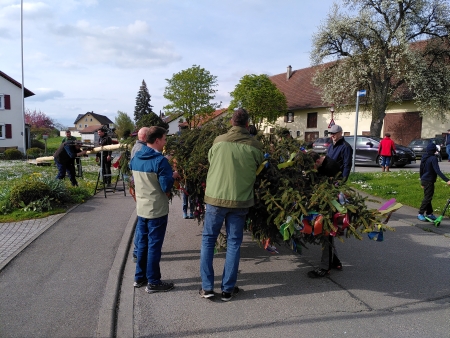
215	114
90	129
300	92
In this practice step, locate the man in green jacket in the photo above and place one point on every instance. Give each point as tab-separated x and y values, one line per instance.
233	161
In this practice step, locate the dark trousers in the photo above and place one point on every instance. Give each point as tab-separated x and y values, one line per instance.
106	170
428	192
70	169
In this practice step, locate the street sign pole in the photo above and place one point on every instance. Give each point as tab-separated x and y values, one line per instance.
358	94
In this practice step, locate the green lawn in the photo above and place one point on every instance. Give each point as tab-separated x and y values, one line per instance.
402	185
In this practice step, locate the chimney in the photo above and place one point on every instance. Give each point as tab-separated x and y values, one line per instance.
288	72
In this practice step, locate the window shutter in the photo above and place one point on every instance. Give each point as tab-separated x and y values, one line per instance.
8	131
7	101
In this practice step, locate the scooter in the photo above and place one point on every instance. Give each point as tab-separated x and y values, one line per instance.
438	220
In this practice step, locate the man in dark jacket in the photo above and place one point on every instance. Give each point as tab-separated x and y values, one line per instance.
104	156
340	151
65	157
329	168
429	169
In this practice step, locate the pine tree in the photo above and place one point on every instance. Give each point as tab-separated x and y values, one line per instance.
143	106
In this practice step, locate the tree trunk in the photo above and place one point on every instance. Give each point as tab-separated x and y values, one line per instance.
379	104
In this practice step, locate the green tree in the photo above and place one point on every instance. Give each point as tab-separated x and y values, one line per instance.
260	97
190	93
385	47
124	124
151	119
143	106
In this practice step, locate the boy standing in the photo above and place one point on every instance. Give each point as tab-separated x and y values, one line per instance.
429	169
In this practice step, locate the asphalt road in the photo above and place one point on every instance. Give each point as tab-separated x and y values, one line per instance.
444	165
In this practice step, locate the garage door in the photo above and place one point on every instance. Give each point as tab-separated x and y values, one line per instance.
403	127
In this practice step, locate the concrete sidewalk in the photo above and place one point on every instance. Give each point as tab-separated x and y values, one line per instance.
396	288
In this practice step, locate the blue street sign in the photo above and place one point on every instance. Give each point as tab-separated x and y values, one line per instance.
361	92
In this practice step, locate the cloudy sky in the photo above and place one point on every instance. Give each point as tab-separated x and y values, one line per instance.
92	55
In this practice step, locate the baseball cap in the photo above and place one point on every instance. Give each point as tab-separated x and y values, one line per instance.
335	129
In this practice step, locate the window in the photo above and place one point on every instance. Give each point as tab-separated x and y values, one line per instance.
91	120
85	120
5	102
311	120
85	125
79	126
5	131
289	117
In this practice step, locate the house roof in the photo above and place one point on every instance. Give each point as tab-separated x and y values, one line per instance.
90	129
302	94
299	91
211	117
27	93
171	117
100	118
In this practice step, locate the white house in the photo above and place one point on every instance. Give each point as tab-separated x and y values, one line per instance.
11	114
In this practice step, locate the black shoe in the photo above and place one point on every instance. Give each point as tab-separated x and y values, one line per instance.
206	294
139	282
226	296
318	273
162	287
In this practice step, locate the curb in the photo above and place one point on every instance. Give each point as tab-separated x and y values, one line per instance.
106	325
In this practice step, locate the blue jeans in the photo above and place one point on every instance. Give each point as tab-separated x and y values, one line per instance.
447	149
234	223
150	234
386	161
188	200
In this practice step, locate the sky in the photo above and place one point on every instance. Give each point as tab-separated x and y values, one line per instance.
92	55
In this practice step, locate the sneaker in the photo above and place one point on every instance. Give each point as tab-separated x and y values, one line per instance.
206	294
162	287
191	216
421	217
318	273
139	283
432	217
226	296
185	216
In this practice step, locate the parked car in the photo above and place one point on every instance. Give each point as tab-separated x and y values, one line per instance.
367	151
321	144
419	146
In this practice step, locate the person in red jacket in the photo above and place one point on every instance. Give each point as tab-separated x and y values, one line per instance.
386	149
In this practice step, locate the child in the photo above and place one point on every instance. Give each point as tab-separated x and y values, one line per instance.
429	169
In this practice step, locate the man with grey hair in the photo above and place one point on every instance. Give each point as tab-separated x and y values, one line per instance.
342	154
140	142
234	159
